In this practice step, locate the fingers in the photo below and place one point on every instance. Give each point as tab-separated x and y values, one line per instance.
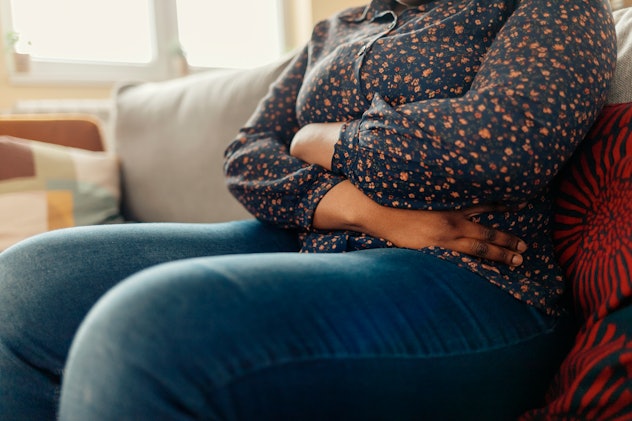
489	251
492	244
500	238
495	253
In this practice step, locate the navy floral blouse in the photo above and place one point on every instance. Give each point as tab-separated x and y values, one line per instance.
448	105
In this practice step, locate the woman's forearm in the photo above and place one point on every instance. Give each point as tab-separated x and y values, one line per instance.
314	143
345	207
274	186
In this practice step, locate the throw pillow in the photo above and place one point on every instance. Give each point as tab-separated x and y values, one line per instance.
45	187
593	382
593	236
593	232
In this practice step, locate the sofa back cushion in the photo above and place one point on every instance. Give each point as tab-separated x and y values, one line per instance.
621	89
171	138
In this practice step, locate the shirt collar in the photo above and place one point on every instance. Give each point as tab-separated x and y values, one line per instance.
375	9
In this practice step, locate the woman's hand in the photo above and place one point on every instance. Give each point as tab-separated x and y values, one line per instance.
346	207
314	143
452	230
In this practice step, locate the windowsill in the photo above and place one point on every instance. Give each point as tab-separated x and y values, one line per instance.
28	79
47	72
105	79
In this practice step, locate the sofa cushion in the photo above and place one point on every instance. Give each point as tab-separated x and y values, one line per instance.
621	89
171	138
45	187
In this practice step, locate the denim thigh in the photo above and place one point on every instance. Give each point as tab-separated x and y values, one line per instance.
48	284
382	334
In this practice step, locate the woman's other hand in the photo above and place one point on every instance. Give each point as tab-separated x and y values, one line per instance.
314	143
346	207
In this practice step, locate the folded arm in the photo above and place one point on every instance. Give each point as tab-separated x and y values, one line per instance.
273	185
539	89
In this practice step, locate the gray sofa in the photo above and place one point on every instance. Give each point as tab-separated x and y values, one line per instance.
170	138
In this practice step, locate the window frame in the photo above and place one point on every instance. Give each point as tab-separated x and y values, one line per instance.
163	66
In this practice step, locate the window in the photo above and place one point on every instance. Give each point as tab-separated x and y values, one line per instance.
211	32
96	40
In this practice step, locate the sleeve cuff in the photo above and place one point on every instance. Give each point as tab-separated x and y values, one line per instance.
346	149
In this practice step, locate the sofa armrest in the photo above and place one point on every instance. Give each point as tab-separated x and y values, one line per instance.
77	130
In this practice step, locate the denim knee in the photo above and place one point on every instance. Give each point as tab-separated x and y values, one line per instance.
138	340
35	311
47	284
29	292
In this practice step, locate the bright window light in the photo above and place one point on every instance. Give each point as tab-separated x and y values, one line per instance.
219	33
116	31
102	41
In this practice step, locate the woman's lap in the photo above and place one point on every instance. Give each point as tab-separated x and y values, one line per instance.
280	336
48	284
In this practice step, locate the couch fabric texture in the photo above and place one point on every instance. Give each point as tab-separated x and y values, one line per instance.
171	138
621	89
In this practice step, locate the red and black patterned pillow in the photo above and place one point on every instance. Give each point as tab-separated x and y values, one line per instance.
593	219
593	236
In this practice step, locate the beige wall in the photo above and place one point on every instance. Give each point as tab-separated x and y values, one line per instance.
10	92
321	9
620	4
305	13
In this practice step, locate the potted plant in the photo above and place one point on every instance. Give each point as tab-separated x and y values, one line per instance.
21	59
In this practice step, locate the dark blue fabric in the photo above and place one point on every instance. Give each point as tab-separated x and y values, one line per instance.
375	334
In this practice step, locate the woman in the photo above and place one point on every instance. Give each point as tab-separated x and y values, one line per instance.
420	137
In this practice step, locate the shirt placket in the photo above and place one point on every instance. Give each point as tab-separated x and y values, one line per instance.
362	52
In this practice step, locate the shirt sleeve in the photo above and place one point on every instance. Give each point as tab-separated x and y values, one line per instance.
540	87
274	186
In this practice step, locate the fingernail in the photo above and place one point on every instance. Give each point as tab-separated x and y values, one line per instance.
521	247
516	260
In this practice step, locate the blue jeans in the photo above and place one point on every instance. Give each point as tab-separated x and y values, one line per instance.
227	321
